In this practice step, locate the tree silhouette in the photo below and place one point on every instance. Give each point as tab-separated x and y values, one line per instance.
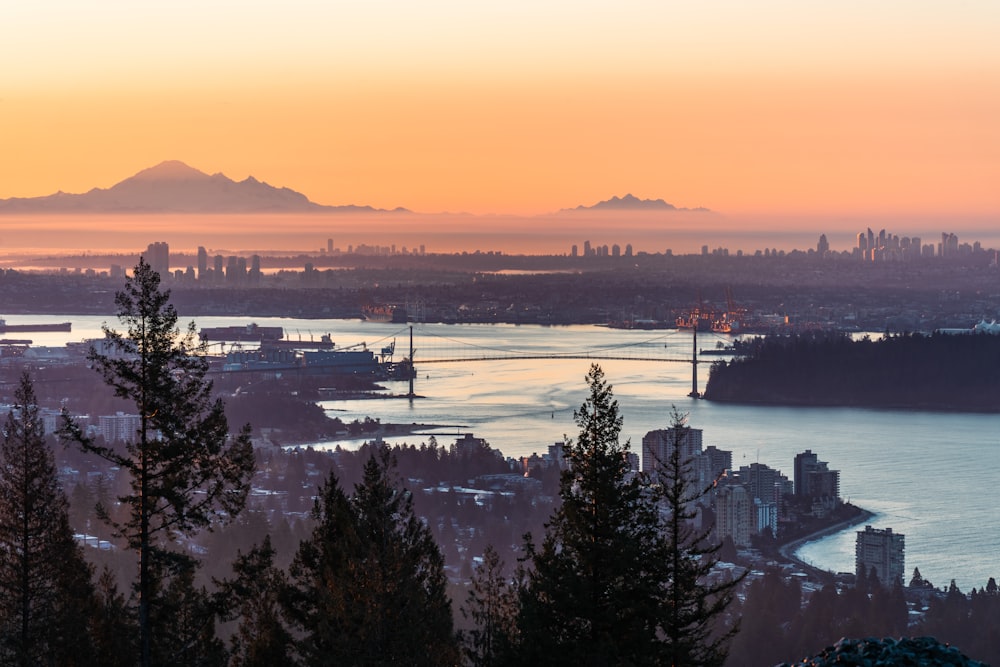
491	605
692	617
369	584
45	584
592	588
254	598
185	470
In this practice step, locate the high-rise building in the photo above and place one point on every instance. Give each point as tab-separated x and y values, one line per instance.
657	446
880	551
202	262
824	483
822	246
157	255
255	269
804	462
717	461
733	510
813	479
118	427
949	245
761	481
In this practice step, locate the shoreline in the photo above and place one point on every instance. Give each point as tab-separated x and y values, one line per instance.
787	550
385	430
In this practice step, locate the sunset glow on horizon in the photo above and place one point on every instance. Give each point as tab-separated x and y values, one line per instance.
774	110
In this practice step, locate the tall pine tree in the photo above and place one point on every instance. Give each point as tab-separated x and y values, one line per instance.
592	589
692	620
253	597
491	606
185	470
369	586
45	584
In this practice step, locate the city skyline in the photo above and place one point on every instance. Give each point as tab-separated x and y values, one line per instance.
187	207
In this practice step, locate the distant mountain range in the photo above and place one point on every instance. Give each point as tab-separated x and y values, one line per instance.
174	187
632	203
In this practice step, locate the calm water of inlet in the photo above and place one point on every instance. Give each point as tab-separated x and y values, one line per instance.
930	476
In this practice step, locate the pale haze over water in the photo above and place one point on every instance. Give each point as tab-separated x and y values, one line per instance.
23	237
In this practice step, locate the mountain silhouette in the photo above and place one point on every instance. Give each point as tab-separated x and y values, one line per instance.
632	203
174	187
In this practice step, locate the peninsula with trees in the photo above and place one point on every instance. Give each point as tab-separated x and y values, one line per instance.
938	371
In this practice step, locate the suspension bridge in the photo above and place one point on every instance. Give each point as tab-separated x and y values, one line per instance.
427	346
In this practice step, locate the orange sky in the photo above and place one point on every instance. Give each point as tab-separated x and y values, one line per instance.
767	110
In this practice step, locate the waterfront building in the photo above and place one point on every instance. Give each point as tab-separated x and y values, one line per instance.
824	483
880	551
813	479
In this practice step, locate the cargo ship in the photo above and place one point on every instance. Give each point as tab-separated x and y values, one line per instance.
55	326
374	313
247	333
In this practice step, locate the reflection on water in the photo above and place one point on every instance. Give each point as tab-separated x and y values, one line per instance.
927	475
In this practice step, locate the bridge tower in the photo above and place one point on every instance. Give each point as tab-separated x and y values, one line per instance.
694	359
411	371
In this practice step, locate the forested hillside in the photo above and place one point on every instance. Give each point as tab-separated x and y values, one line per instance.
939	371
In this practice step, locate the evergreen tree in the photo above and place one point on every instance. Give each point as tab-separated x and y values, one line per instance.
183	617
319	601
368	585
772	604
184	468
693	611
114	629
254	598
918	581
591	592
491	605
45	583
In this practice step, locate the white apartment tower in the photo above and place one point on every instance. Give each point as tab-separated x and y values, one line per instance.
881	551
